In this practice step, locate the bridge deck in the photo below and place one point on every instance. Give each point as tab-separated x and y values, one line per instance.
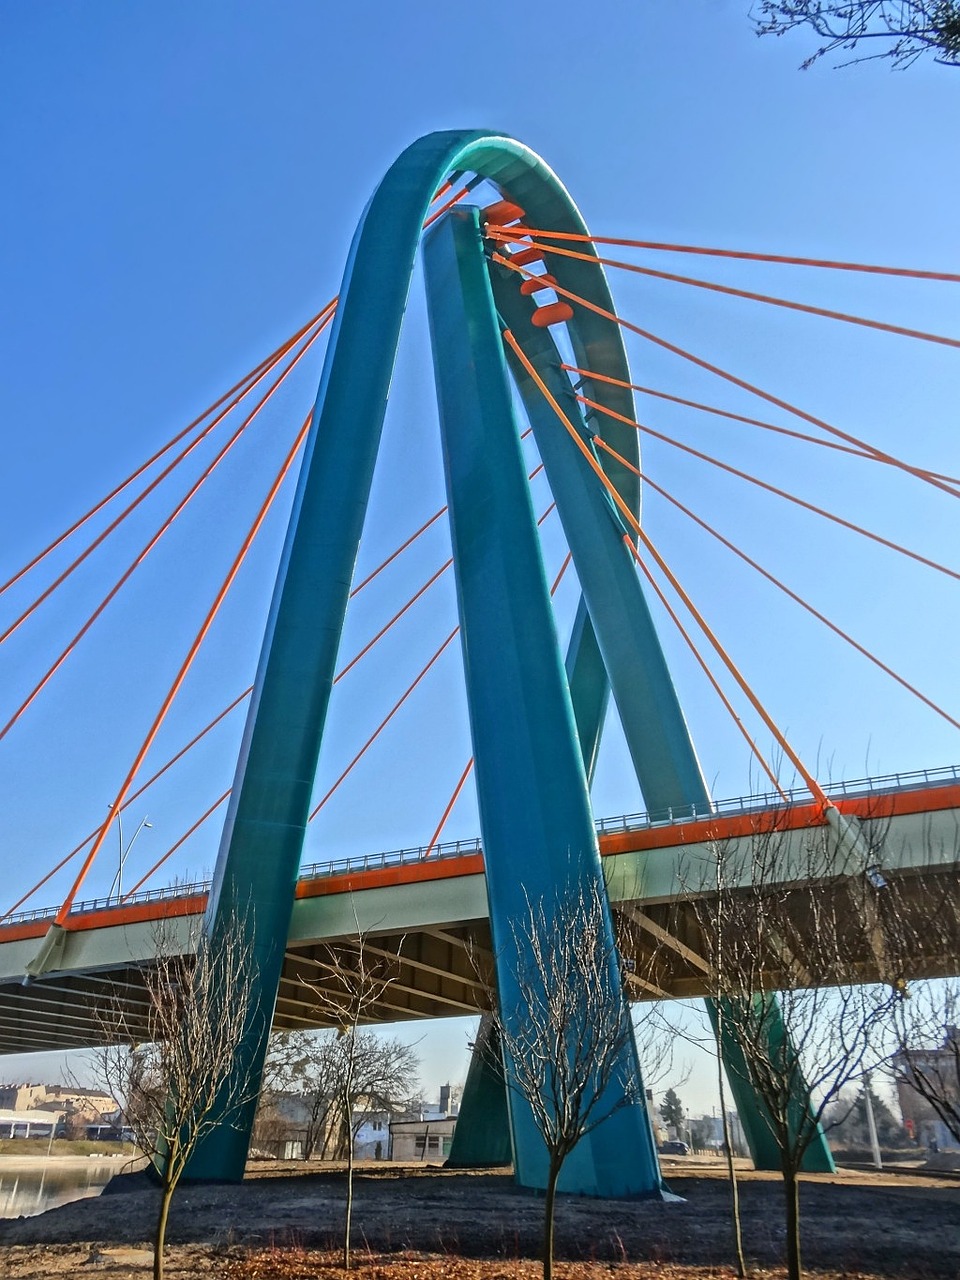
431	913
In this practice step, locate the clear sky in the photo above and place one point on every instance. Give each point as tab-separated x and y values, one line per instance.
180	184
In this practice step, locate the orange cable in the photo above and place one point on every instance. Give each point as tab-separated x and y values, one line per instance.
214	609
739	417
397	705
403	546
770	488
815	789
134	795
173	848
105	533
396	617
383	723
414	536
785	589
264	365
151	543
524	233
444	207
434	840
772	301
694	649
738	382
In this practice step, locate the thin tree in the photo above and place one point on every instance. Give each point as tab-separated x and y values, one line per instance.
924	930
173	1067
672	1113
304	1065
926	1060
898	30
566	1034
782	912
367	1072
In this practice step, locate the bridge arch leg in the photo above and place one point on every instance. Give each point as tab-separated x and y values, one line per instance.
536	822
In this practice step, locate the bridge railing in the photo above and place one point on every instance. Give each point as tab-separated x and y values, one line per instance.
856	789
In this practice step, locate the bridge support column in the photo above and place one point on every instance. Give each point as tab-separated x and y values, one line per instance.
535	817
654	726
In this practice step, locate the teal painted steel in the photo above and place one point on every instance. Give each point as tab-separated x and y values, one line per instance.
531	787
657	737
482	1136
653	723
266	821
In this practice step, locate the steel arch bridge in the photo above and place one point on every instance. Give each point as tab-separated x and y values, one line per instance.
535	719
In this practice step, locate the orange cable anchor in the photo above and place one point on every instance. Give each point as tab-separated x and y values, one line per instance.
814	787
214	609
730	291
738	382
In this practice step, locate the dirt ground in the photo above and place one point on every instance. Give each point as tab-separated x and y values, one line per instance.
428	1223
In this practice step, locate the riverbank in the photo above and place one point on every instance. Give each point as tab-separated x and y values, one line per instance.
281	1221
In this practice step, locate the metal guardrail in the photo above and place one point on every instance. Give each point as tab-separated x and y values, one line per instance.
858	788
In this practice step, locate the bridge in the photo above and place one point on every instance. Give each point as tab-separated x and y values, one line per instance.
431	914
533	381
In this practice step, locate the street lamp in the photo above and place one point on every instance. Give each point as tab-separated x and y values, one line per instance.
124	853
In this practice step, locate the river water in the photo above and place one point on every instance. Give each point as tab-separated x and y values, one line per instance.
28	1187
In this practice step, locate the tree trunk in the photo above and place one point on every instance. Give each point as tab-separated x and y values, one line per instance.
731	1167
349	1210
548	1214
791	1190
159	1239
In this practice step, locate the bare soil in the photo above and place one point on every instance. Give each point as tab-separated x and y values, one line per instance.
284	1220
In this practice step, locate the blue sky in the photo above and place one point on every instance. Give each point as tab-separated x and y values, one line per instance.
180	187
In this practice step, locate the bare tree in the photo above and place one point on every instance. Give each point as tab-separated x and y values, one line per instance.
567	1036
898	30
173	1068
926	1060
304	1065
367	1072
784	912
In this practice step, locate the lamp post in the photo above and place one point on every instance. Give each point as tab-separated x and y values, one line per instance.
124	853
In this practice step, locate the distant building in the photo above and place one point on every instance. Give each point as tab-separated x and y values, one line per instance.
31	1124
941	1065
77	1108
427	1139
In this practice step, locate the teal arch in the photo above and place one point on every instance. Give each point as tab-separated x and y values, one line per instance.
266	822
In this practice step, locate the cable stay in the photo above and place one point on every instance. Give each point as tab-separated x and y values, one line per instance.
105	533
523	235
235	394
151	543
926	476
777	582
769	299
869	455
770	488
468	768
623	507
185	666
